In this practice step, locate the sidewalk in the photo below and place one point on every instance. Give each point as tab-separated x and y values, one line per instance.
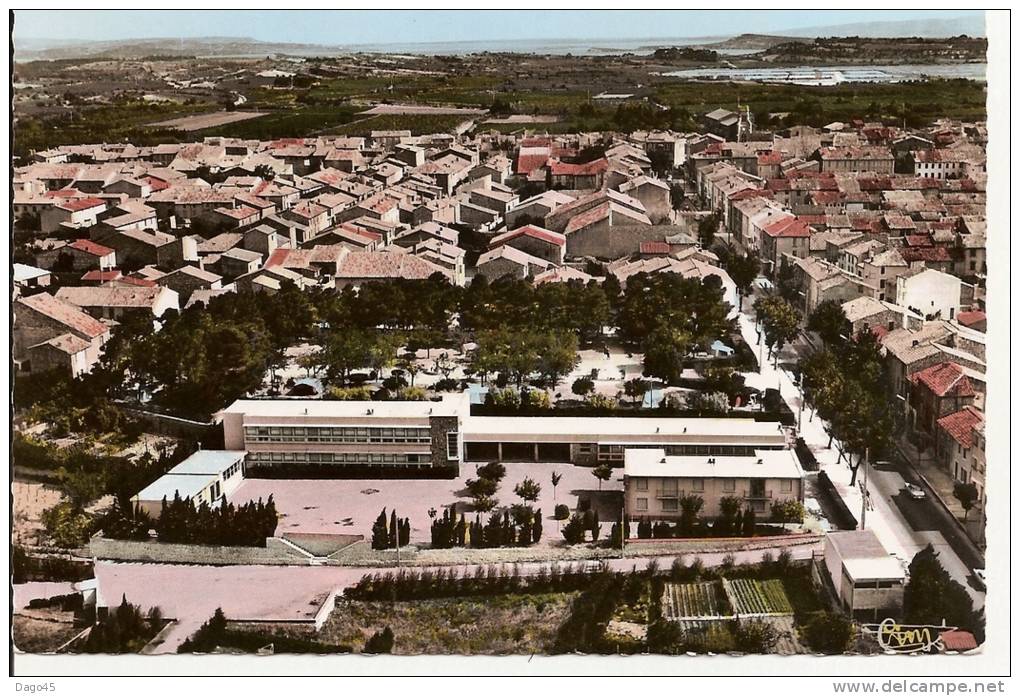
881	514
942	484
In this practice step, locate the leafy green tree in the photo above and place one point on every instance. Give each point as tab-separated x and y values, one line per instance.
967	494
708	226
933	596
344	352
666	349
780	321
743	270
829	321
603	472
635	389
707	403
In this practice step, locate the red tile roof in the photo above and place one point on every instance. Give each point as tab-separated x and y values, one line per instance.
558	168
82	204
529	163
927	254
89	247
788	227
64	313
959	641
101	276
654	248
533	231
943	379
588	217
771	157
64	193
961	425
971	318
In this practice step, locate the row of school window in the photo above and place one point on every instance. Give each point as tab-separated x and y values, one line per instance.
338	435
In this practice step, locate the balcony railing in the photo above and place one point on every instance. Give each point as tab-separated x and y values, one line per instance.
757	495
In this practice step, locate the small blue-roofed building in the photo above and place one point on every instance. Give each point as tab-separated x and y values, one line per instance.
207	476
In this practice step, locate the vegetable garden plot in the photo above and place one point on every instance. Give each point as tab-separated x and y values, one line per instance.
693	601
754	597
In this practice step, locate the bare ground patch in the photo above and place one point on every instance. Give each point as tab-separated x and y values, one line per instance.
502	625
203	121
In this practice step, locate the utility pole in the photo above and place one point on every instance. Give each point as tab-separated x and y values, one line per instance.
623	525
864	491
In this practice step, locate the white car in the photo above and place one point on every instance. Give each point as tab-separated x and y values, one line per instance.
915	491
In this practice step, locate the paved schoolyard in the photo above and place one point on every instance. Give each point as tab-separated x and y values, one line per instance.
323	506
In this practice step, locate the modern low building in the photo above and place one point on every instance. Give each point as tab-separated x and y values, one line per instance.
867	579
592	440
207	476
654	482
284	437
337	438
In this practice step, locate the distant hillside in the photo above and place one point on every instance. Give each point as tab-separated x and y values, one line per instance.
750	42
860	50
971	25
45	49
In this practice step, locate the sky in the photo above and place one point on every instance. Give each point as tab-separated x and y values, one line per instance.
351	27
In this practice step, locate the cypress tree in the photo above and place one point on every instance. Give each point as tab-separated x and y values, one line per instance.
393	538
749	522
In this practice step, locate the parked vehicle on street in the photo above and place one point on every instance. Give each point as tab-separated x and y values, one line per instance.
915	491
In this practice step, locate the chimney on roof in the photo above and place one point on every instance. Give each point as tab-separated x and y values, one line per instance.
760	461
914	343
370	411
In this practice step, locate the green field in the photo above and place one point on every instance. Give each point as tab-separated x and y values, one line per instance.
126	121
293	123
418	124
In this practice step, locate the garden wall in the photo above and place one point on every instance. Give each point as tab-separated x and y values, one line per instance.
275	552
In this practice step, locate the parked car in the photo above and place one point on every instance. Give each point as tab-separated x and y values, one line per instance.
915	491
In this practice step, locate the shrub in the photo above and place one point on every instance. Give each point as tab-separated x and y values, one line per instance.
68	525
446	385
828	633
583	386
362	393
380	642
561	512
411	394
601	402
481	487
573	531
494	471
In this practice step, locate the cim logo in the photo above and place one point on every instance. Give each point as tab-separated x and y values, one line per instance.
899	638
